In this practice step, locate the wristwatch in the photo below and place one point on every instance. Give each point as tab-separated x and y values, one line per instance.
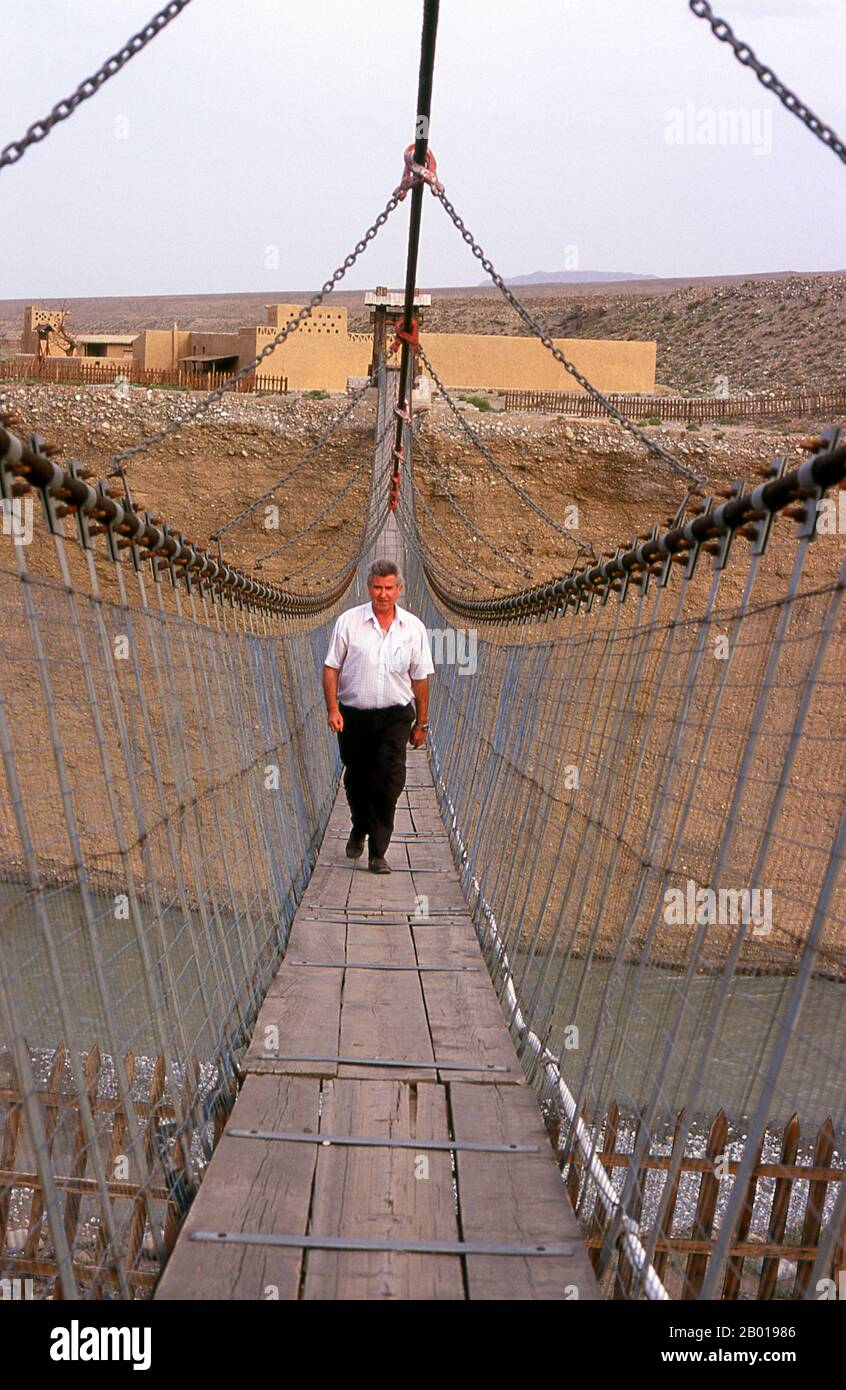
418	725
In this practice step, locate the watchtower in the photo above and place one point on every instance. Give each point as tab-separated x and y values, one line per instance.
387	304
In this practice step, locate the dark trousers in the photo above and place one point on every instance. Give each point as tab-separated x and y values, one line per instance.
372	745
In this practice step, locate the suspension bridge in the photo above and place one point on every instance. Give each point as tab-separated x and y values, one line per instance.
586	1040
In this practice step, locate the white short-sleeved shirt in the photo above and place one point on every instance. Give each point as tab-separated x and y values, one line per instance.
377	666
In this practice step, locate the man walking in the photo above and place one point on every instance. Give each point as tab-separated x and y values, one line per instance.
376	671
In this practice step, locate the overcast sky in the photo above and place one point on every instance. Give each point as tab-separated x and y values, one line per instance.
588	134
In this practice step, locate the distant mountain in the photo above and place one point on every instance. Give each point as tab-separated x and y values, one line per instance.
571	277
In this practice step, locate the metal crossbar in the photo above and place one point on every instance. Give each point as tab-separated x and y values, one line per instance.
381	1142
371	965
399	1247
418	1064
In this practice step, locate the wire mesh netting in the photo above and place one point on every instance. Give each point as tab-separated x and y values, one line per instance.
646	798
167	780
645	795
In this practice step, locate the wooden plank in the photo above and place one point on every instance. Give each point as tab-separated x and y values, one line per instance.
10	1128
465	1018
814	1206
304	1006
389	945
779	1209
706	1206
443	941
37	1207
514	1197
431	854
266	1186
383	1012
327	885
665	1228
427	822
251	1185
368	891
382	1193
442	893
734	1273
310	936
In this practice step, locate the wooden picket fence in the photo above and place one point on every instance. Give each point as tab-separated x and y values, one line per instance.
681	1260
26	1251
104	371
789	405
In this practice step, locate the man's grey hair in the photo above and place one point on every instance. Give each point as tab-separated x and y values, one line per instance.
381	568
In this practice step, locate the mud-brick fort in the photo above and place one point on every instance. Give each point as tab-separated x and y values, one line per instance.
324	354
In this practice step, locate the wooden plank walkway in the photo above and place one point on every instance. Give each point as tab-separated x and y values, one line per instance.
436	1009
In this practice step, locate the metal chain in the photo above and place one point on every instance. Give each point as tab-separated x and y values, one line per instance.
284	333
330	505
60	112
327	434
324	438
370	526
468	564
521	493
723	31
407	523
408	526
316	520
367	534
440	476
523	313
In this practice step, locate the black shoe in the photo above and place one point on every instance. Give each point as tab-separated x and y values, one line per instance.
355	846
377	864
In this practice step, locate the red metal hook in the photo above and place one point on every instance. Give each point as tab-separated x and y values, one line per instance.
427	172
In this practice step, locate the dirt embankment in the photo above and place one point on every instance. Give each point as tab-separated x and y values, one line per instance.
207	472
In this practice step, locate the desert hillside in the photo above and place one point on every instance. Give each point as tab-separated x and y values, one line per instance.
761	333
